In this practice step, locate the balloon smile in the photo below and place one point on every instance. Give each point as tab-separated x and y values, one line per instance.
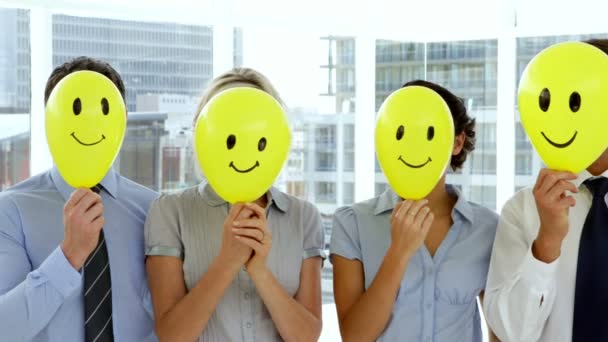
415	166
87	144
558	145
257	163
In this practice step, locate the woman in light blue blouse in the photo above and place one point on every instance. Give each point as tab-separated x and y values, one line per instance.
412	270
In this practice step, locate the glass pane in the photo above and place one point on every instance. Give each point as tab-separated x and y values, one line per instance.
316	78
468	69
14	96
527	161
164	66
396	64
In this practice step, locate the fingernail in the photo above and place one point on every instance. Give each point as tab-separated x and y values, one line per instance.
248	204
238	237
235	223
235	230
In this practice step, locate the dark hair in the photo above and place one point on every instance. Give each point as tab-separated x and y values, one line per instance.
462	121
601	44
79	64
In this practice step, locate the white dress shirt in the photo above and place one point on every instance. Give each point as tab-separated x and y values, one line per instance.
526	299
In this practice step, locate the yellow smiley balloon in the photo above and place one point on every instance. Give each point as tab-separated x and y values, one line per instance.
85	126
563	105
414	140
242	140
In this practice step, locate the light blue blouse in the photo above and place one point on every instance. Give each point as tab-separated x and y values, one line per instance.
437	297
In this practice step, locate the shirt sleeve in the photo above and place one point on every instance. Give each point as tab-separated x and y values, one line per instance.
29	298
314	236
345	235
162	229
521	289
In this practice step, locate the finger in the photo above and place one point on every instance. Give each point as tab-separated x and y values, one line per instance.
94	212
254	244
567	202
98	223
395	210
259	211
404	209
87	202
554	177
235	211
75	197
250	223
416	208
421	216
245	213
540	179
559	189
427	223
252	233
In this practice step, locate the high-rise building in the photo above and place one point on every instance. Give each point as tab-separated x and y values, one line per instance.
14	61
152	58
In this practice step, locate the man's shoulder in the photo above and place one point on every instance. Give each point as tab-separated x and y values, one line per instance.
35	186
135	191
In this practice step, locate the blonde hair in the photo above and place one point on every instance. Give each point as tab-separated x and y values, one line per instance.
244	77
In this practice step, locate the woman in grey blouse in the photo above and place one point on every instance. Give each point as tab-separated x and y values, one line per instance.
412	270
248	272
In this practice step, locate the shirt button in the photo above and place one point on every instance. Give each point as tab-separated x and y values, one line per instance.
428	306
246	296
249	325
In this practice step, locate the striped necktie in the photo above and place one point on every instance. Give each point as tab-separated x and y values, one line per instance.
98	292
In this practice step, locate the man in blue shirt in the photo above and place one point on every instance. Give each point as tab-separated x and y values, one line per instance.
51	232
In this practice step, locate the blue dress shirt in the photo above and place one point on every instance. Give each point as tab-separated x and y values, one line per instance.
437	298
41	295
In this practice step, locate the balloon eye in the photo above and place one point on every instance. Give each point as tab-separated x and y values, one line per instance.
400	132
105	106
430	133
262	144
231	141
77	106
575	102
544	100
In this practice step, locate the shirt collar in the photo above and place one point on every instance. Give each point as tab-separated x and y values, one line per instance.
585	175
275	196
109	183
389	199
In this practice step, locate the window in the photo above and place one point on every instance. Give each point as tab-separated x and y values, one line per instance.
527	161
14	96
325	192
466	68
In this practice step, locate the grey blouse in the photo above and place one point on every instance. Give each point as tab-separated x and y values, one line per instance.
189	225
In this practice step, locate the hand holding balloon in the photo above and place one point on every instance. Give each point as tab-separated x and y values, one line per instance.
410	223
553	204
254	233
82	221
234	254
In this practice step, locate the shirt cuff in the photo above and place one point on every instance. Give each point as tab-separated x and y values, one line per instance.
539	275
60	273
313	252
165	251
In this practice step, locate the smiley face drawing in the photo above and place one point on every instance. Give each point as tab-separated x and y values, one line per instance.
414	140
242	141
563	105
85	127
